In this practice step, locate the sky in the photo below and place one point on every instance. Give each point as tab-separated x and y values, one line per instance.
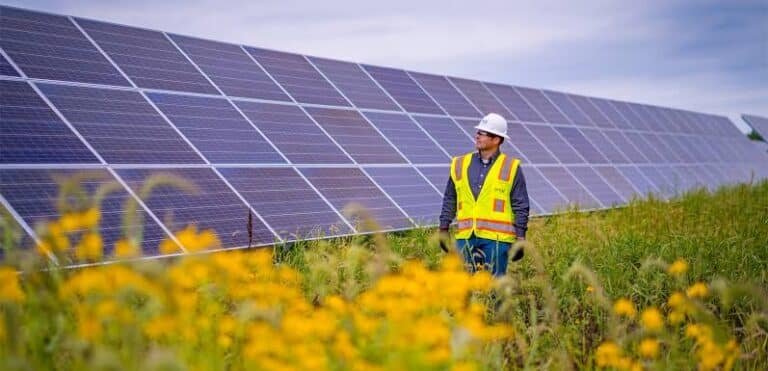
700	55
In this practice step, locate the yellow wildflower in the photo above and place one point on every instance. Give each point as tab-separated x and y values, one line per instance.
125	249
651	319
624	307
70	222
676	317
649	348
698	290
168	246
90	218
590	289
90	247
9	286
607	354
678	268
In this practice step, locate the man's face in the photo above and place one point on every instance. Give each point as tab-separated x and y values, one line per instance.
485	141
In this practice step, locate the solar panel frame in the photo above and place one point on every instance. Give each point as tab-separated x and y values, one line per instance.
6	68
57	38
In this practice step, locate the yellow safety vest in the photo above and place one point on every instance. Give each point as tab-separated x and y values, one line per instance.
490	215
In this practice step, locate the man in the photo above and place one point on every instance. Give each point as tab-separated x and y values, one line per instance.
489	189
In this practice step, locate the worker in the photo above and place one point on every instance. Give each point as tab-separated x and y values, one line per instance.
487	190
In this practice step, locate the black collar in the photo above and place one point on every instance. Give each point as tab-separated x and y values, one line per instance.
491	159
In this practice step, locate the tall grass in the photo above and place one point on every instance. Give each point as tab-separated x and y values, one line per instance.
595	289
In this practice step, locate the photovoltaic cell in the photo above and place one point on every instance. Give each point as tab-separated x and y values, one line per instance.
447	134
6	68
403	89
410	191
514	103
50	47
287	202
230	69
681	146
688	177
643	185
528	145
438	176
543	106
294	133
625	146
644	146
407	137
298	77
562	150
572	112
605	146
542	192
209	205
121	125
147	57
355	84
216	129
665	189
33	193
30	132
619	183
596	185
661	147
674	180
595	116
476	92
610	112
581	144
441	90
666	124
569	187
650	120
346	187
356	135
626	111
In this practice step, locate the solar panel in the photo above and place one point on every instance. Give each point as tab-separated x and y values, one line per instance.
30	132
450	99
642	184
625	146
230	68
570	187
147	57
758	124
286	202
210	205
589	109
543	106
409	190
412	142
674	179
596	186
657	142
611	114
646	148
681	146
437	176
605	146
447	134
514	103
533	150
356	135
540	190
216	129
480	97
571	112
50	47
355	84
403	89
294	133
298	77
649	119
33	193
121	125
582	145
346	186
618	182
555	143
6	68
652	173
629	114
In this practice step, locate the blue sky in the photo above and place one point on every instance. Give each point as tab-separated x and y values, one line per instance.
703	55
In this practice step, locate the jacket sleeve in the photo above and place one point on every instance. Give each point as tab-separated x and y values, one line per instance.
448	213
520	204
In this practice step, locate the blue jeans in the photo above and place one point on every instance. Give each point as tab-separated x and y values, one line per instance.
482	253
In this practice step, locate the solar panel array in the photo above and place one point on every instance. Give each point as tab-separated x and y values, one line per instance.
279	145
758	123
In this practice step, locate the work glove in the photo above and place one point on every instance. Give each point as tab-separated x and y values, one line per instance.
445	239
519	253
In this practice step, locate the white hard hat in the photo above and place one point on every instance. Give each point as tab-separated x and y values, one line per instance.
494	124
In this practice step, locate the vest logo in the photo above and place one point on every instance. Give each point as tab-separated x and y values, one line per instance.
499	189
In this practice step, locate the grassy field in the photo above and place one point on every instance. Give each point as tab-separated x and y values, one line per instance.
654	285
